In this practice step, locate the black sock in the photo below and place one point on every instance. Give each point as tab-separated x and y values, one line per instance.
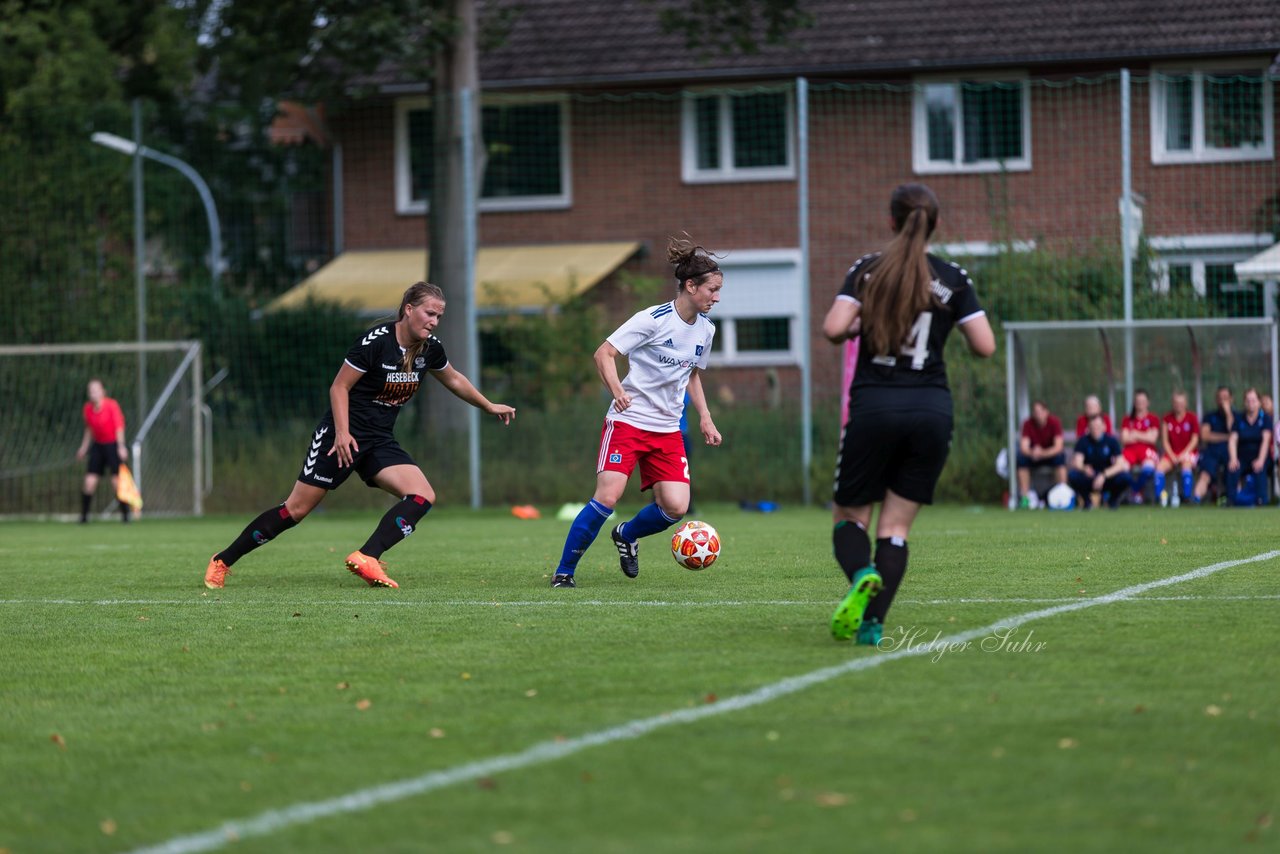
269	525
891	563
852	547
85	500
396	524
124	511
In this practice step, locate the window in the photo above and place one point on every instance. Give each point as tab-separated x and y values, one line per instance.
526	149
1204	265
972	126
757	320
741	136
1206	116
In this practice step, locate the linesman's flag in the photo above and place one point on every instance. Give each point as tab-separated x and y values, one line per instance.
126	489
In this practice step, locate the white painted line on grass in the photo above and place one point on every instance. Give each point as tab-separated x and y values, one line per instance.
271	821
600	603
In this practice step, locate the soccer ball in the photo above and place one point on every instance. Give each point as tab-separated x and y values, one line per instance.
695	545
1062	497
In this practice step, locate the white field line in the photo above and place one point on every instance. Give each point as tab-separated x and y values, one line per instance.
599	603
271	821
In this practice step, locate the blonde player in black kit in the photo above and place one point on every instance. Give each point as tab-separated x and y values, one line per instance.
904	302
380	374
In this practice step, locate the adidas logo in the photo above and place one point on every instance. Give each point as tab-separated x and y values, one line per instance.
669	343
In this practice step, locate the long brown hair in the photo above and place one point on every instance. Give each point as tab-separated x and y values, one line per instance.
898	280
690	261
415	295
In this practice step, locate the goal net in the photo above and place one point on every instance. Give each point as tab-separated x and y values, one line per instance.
1063	362
42	394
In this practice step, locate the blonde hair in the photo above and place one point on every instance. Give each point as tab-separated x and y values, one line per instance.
690	261
415	295
898	280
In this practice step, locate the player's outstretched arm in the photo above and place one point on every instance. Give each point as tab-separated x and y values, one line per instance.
606	365
977	331
344	444
838	325
698	398
462	388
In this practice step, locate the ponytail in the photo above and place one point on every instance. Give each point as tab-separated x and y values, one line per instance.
690	261
898	281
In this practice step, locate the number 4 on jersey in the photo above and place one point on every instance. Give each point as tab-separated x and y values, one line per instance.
917	343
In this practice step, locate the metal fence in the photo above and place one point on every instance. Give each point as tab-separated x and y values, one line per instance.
1110	196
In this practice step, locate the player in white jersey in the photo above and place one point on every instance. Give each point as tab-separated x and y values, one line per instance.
667	346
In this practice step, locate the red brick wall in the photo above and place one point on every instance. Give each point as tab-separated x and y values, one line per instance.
626	184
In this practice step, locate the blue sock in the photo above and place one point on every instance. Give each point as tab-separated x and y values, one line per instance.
582	533
1159	483
1186	484
1140	481
648	521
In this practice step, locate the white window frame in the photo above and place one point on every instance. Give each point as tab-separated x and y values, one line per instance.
1201	152
725	351
727	172
405	205
920	128
1199	250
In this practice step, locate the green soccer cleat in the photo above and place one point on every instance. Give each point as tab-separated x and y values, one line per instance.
848	614
870	632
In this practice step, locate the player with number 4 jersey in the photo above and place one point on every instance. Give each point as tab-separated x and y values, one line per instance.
667	347
902	303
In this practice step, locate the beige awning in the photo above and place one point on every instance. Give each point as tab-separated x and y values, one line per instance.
1263	267
507	277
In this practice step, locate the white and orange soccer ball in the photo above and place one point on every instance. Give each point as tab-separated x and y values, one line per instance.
695	545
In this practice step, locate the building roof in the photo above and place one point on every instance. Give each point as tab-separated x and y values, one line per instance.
602	42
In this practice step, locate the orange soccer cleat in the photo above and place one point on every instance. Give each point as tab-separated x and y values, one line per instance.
216	575
370	569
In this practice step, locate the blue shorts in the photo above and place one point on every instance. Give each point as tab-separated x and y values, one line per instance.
1025	462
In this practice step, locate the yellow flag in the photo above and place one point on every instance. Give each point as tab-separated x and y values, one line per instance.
126	489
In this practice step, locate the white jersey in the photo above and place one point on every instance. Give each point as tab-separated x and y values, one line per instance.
662	351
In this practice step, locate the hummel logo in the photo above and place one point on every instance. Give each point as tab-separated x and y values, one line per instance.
669	343
309	466
381	330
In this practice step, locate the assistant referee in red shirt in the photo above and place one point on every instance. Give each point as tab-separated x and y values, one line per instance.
104	443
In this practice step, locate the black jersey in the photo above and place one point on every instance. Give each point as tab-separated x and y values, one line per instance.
384	387
919	362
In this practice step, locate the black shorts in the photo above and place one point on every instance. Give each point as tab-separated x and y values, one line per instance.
104	457
320	468
896	439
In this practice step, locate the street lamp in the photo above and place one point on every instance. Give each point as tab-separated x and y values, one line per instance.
131	148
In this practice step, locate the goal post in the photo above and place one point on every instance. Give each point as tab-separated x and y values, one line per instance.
1061	362
42	392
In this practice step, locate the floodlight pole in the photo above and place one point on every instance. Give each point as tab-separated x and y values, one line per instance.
469	239
1126	224
129	146
139	269
802	217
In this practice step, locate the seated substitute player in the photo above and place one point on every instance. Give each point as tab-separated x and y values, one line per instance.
381	372
104	443
904	302
667	347
1092	407
1139	432
1040	446
1215	431
1180	438
1098	467
1249	449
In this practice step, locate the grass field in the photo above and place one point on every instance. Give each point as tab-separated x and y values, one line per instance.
141	710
